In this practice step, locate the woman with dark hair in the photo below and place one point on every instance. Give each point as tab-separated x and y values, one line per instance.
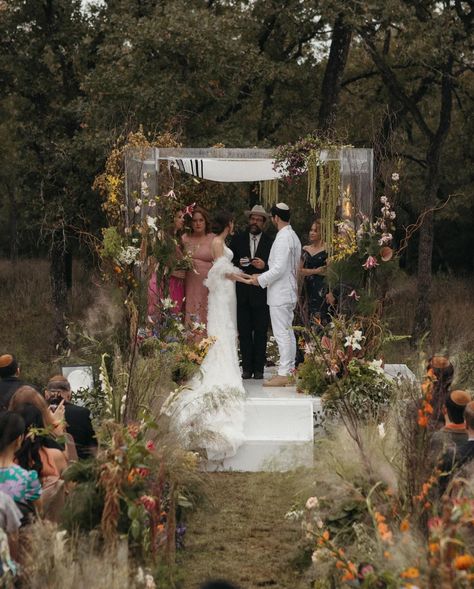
176	277
313	269
198	245
22	485
209	412
49	463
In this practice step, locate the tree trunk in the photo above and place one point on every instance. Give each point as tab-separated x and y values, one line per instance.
59	289
338	53
13	221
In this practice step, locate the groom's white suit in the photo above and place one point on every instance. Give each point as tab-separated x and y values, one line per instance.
281	282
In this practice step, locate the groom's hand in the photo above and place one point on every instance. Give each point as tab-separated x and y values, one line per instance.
258	263
254	280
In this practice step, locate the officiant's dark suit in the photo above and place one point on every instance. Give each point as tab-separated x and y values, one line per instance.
252	310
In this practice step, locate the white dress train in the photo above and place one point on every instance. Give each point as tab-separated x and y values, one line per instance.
209	411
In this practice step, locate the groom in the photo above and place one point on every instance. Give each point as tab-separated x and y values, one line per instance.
282	291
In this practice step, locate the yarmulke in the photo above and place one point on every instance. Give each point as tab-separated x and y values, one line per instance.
461	398
282	206
5	360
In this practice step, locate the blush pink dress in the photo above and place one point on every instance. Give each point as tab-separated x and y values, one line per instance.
194	290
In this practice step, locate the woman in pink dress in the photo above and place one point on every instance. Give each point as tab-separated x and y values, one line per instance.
198	244
176	279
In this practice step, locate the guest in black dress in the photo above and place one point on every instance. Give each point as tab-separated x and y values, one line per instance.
313	270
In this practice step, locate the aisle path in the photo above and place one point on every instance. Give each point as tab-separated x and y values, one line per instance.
242	535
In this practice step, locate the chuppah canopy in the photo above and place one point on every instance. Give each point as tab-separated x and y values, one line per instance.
249	165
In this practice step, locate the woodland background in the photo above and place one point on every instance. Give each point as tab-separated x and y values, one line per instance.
75	77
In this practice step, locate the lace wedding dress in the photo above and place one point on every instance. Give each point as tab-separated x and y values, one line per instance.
209	411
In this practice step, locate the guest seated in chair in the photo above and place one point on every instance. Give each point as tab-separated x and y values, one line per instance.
78	419
454	433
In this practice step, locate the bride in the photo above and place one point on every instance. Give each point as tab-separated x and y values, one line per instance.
209	412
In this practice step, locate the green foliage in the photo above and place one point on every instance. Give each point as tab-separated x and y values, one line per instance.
367	391
311	377
112	242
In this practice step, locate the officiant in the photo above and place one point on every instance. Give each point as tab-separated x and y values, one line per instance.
251	249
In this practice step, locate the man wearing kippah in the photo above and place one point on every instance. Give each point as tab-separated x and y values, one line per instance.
9	379
282	291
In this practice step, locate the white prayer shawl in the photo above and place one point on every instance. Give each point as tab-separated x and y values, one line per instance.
228	170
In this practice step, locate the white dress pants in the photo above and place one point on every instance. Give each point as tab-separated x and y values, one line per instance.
282	321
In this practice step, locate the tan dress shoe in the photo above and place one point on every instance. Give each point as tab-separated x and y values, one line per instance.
276	381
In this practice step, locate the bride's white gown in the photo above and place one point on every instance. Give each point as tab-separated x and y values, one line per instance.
209	412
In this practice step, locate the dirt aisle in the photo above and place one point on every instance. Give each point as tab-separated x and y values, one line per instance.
243	536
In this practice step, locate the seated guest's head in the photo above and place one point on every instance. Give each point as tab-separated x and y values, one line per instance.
218	584
8	366
469	417
27	394
58	387
442	368
28	454
12	430
455	405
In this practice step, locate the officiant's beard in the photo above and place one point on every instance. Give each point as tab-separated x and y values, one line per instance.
254	229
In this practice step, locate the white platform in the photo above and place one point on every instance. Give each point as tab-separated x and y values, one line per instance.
278	429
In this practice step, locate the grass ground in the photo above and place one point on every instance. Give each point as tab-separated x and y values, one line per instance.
242	535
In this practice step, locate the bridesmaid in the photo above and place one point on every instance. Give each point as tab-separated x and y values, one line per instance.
313	269
198	244
176	280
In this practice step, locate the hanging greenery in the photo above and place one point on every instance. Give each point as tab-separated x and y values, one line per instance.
268	192
329	193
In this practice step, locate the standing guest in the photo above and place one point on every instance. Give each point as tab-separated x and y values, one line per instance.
78	419
10	522
21	485
313	269
176	279
251	249
454	432
441	371
281	281
198	245
9	379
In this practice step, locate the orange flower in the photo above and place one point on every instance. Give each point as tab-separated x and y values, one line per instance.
428	408
463	562
348	576
410	573
404	525
422	419
379	517
339	564
326	535
433	547
387	555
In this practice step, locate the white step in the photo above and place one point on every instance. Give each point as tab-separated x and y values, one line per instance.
278	419
258	456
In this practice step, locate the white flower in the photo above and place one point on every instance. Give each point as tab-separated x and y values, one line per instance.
395	177
145	189
137	209
385	210
376	366
149	582
180	327
392	215
152	203
354	340
139	201
384	200
381	429
198	326
167	303
294	515
127	44
386	238
129	255
312	503
151	222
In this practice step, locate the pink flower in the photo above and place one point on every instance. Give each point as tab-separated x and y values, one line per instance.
148	502
189	210
354	295
150	446
371	262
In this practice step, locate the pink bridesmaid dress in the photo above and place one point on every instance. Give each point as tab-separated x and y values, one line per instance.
195	291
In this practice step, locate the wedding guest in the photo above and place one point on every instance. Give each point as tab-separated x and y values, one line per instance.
441	371
198	245
176	278
10	523
454	432
313	270
78	419
281	281
21	485
49	463
9	379
251	249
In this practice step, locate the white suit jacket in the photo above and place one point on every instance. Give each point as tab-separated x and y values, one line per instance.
281	278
